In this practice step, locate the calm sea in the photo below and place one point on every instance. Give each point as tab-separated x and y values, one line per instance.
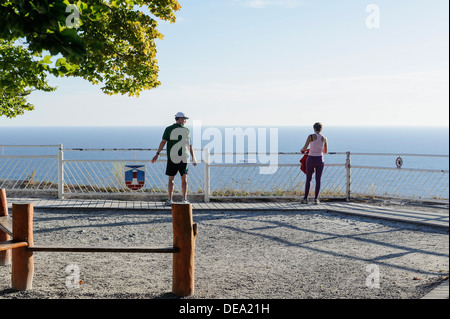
391	140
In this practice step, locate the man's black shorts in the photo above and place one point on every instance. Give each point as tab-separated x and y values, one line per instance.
173	168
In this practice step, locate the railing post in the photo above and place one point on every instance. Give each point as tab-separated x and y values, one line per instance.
22	269
207	175
184	235
60	172
348	176
5	256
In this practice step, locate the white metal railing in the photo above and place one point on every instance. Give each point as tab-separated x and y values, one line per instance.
106	176
67	172
29	173
399	182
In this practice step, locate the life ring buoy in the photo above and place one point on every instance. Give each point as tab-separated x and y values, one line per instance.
399	162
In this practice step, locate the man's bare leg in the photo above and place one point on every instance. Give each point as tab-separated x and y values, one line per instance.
184	186
170	186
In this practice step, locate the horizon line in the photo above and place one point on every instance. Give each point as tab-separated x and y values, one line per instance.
230	125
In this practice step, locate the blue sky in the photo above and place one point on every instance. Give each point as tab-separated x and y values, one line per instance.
279	62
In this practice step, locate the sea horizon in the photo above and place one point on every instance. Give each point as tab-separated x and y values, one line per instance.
369	139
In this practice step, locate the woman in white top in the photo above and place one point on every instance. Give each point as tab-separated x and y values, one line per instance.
318	146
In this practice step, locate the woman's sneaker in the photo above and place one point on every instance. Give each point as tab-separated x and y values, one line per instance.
184	201
168	202
304	201
316	201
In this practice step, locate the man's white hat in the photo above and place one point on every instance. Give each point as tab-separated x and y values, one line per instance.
181	114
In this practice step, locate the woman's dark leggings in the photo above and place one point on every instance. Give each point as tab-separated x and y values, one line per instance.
313	163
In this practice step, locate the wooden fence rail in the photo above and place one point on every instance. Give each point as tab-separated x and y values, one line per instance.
22	246
5	228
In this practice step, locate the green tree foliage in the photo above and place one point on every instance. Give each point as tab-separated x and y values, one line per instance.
102	41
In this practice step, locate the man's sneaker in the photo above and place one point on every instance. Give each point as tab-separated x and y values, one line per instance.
304	201
184	201
316	201
168	202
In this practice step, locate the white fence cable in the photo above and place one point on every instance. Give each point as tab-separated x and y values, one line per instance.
22	173
107	177
288	181
415	184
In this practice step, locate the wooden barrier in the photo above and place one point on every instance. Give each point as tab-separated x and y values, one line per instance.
22	270
5	225
22	246
169	250
6	245
184	235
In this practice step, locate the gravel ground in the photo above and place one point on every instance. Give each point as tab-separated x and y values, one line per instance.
239	254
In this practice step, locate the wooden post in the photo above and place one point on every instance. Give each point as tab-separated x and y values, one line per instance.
184	235
22	259
5	256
